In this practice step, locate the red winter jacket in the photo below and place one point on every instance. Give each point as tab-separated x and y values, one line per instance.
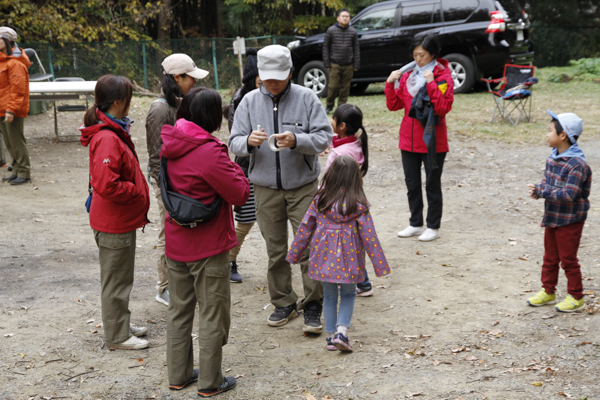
411	130
121	199
199	167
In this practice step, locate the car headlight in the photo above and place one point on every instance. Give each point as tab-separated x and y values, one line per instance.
293	45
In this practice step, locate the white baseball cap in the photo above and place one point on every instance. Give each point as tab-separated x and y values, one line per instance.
274	62
8	33
178	64
571	123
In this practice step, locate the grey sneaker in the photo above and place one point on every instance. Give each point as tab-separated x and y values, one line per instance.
163	297
138	330
133	343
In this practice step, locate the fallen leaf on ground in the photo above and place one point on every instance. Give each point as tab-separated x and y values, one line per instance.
310	396
9	335
348	384
537	383
565	394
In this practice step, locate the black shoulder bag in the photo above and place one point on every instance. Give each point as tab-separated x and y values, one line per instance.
184	210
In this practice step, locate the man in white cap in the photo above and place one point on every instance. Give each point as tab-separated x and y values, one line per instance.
180	75
284	174
566	190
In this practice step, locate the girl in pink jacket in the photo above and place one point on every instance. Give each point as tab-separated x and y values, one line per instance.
347	141
340	229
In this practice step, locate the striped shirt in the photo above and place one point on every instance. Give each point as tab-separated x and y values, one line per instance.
566	188
248	212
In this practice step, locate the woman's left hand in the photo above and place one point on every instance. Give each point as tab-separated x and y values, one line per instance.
9	117
428	76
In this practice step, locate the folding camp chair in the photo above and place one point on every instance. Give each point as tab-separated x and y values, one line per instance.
514	97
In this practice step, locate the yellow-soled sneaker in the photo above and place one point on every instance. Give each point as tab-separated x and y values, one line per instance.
569	304
542	298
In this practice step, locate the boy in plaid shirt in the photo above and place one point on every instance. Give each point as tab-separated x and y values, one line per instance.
566	188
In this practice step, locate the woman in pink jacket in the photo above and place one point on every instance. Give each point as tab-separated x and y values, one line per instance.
434	77
198	257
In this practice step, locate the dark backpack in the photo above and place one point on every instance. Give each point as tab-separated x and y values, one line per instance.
184	210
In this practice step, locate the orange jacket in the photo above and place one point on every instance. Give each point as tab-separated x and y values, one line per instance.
14	84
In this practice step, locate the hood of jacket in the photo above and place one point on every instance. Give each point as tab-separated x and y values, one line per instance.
336	216
182	138
440	66
87	132
17	55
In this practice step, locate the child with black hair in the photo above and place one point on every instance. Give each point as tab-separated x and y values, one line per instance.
566	188
347	140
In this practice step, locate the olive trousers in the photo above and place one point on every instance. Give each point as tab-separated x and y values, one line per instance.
204	283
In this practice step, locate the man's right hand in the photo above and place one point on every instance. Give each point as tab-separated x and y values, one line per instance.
257	137
394	76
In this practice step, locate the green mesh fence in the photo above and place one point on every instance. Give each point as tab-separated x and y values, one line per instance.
140	61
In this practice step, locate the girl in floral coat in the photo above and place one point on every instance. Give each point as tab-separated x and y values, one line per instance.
340	229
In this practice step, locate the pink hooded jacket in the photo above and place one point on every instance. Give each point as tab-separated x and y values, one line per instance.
199	167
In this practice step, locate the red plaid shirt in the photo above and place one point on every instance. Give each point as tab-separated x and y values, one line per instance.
566	188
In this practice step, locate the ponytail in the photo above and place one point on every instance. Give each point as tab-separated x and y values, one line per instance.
109	89
170	89
364	144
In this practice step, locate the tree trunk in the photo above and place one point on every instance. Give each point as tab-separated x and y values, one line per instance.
210	18
164	21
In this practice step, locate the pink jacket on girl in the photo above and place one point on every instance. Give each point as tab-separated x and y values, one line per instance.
351	149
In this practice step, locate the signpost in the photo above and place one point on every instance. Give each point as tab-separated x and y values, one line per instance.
239	48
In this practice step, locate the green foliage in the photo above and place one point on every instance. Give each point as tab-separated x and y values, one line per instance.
308	24
76	21
586	66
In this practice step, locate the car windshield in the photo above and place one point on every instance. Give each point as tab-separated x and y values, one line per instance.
378	19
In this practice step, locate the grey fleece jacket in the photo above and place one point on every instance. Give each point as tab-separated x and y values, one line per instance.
297	110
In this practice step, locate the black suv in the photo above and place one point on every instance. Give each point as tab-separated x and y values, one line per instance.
477	36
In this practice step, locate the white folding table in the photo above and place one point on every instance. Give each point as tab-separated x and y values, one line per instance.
52	91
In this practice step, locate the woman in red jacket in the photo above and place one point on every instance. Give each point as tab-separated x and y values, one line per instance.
400	90
199	167
120	203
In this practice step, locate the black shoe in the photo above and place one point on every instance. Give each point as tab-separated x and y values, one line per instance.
228	383
18	181
10	167
328	110
195	374
364	290
282	315
234	275
312	318
3	164
9	178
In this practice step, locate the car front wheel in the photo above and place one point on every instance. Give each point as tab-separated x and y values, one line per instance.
315	76
463	72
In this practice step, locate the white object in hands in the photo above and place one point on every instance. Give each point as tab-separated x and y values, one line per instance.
272	144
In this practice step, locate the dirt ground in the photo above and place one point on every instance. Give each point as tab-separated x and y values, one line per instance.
451	321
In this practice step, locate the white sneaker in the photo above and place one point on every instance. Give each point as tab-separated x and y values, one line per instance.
429	235
163	297
411	231
138	330
133	343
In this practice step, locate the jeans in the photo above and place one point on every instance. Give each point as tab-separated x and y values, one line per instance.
347	294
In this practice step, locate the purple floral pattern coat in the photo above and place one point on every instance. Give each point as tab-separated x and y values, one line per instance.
338	245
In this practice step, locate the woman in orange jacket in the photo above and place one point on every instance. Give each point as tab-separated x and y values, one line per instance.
14	105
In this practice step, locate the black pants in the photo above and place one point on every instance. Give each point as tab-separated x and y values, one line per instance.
411	162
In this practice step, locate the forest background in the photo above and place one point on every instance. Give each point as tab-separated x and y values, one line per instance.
68	21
